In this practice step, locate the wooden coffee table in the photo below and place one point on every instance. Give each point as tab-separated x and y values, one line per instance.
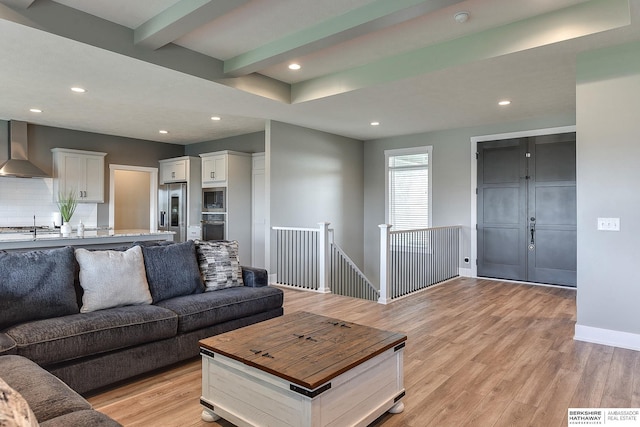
302	369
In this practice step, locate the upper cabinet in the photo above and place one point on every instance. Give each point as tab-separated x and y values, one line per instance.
174	170
214	169
185	169
79	171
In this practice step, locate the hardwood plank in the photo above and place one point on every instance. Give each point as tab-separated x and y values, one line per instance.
478	353
516	414
592	381
618	388
553	405
455	412
486	413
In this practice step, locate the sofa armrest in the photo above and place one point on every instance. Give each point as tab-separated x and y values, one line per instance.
254	277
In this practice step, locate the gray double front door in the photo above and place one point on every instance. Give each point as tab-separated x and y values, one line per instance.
527	209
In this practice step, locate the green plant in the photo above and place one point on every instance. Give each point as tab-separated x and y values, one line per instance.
67	204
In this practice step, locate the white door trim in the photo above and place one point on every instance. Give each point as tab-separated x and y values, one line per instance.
153	193
474	177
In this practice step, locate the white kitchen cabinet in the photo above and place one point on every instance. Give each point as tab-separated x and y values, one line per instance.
214	169
236	167
79	171
173	170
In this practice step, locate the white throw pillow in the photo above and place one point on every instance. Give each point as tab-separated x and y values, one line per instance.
14	410
112	279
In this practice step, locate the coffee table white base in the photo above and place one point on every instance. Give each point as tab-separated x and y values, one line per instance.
247	396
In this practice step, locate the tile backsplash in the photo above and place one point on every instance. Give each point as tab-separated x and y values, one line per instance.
22	198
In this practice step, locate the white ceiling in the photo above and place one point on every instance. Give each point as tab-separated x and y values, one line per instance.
421	73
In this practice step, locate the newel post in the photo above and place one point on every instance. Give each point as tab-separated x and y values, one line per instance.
323	255
384	264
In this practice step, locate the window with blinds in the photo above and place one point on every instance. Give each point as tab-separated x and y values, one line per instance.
408	187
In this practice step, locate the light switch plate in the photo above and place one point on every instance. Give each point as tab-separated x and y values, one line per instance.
609	224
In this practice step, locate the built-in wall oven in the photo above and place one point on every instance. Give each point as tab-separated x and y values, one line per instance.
213	226
214	213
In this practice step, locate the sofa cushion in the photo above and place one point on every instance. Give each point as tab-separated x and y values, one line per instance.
172	270
36	285
14	410
7	344
48	397
64	338
219	264
199	311
112	279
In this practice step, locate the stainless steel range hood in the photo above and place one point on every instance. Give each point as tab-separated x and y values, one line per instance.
18	164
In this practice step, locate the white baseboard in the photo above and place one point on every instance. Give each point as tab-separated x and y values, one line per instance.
273	278
607	337
465	272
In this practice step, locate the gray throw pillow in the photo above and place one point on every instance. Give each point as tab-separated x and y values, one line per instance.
36	285
172	270
112	279
14	410
219	264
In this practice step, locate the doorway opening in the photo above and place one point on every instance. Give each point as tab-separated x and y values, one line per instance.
133	197
524	207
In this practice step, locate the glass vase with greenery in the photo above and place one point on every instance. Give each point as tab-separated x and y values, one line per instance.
67	204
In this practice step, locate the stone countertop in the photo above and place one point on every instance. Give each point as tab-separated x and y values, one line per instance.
91	238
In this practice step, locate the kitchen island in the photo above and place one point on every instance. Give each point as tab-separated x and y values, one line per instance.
96	239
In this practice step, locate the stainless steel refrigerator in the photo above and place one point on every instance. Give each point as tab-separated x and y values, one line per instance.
172	203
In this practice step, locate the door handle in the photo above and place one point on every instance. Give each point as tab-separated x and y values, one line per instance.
532	229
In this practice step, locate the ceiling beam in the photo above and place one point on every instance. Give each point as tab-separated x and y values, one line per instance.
355	23
18	4
180	19
56	18
576	21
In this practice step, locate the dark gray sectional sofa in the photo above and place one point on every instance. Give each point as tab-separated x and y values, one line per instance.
41	318
53	403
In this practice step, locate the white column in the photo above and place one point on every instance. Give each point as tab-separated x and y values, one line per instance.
384	264
323	252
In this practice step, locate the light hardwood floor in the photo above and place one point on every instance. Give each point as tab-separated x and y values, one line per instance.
479	353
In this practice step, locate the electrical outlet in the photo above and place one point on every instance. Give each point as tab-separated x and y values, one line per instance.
609	224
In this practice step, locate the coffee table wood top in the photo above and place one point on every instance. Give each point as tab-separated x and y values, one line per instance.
303	348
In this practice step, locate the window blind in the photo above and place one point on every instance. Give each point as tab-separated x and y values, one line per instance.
409	191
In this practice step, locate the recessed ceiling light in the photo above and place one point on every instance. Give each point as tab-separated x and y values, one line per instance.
216	118
35	110
505	102
78	89
375	123
294	66
164	132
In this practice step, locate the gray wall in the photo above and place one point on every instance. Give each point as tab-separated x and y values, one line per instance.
122	151
451	175
316	177
608	149
249	143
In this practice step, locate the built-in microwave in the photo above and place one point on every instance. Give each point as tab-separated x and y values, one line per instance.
214	199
